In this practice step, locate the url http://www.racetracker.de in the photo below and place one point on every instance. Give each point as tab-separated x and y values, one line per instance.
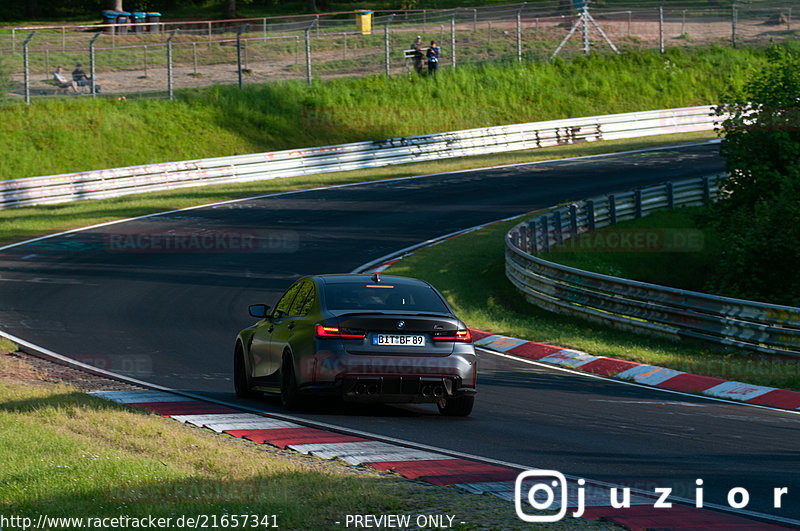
199	521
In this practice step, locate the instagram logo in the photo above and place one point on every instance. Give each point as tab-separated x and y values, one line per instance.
541	495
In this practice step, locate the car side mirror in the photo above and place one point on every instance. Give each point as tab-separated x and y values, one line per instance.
258	310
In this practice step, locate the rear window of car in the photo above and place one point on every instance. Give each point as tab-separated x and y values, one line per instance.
383	297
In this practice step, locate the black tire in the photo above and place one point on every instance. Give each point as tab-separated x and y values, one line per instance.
241	380
290	397
459	406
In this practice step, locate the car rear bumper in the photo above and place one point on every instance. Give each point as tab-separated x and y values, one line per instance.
393	389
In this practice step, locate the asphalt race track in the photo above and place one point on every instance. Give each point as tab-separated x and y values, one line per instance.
171	318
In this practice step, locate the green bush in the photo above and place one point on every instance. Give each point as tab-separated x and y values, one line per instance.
5	81
759	220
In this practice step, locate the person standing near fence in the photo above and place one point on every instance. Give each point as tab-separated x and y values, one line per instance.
433	59
419	56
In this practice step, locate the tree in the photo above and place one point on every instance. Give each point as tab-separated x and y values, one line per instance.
758	218
229	9
114	5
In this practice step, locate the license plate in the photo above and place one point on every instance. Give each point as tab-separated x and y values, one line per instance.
399	340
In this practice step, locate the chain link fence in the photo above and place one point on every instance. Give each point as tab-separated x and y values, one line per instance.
155	59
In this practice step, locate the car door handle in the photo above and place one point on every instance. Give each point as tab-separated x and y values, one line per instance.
290	325
270	329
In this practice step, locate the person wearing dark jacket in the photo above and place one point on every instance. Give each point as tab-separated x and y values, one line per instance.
80	77
433	58
419	56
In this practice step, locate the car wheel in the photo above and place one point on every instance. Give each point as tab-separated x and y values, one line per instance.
459	406
290	398
241	380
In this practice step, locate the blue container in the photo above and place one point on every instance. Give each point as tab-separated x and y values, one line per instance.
123	18
138	19
152	20
109	17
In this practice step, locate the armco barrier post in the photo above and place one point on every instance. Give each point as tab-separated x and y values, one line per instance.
557	227
612	209
590	214
92	65
386	42
637	197
26	67
573	221
534	248
545	235
670	196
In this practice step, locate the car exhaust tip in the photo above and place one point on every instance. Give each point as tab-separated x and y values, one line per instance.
372	389
360	389
438	391
427	390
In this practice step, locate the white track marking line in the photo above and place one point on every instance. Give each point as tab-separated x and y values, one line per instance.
634	384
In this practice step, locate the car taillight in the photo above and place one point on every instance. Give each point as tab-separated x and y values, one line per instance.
461	336
331	332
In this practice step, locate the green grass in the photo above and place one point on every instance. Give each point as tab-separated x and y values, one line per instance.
67	454
59	135
6	346
470	272
686	269
27	222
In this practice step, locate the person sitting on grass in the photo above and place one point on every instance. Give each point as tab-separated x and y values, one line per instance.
62	81
80	77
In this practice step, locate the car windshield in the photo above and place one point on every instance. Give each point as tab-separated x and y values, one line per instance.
383	297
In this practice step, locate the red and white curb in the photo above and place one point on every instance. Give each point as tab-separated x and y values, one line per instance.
426	465
650	375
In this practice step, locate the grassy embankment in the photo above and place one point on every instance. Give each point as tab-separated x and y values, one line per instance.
684	270
74	134
66	454
470	272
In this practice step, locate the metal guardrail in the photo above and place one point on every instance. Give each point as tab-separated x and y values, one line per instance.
638	306
360	155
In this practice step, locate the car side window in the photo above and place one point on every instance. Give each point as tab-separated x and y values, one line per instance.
304	300
282	308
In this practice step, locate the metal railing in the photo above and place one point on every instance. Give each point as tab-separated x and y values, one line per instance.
638	306
344	157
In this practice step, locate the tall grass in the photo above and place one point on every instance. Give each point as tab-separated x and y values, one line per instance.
74	134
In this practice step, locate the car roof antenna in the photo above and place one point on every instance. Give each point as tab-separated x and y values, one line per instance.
376	276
